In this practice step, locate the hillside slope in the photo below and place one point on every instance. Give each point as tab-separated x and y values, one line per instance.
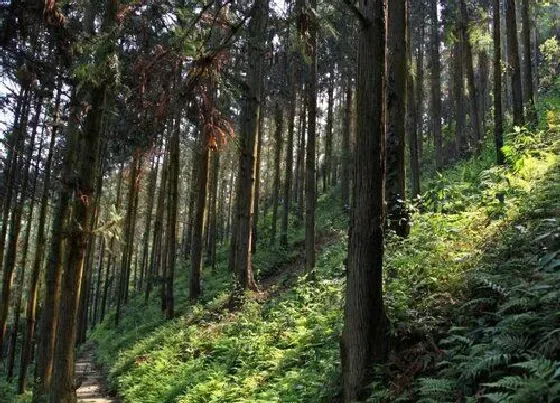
472	296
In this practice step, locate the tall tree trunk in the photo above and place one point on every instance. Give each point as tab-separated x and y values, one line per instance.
278	145
199	224
300	162
23	258
250	112
62	387
31	310
497	68
527	64
260	142
513	60
157	245
420	91
328	163
15	222
411	120
364	339
148	222
397	70
459	86
289	163
123	282
112	252
53	272
310	157
436	85
473	93
346	138
173	201
213	232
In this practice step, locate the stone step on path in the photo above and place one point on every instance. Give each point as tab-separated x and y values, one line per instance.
89	378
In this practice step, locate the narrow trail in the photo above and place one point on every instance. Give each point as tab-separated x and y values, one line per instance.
90	380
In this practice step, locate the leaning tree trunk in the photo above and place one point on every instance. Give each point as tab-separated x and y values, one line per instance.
364	340
396	123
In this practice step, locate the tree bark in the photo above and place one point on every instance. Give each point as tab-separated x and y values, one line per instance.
310	157
346	136
31	310
514	68
411	120
278	145
250	112
436	85
397	69
497	90
364	339
473	93
199	224
527	64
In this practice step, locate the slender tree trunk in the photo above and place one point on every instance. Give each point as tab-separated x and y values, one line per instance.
112	252
310	155
436	85
23	259
156	253
31	310
15	222
289	164
328	163
411	120
53	272
420	92
62	388
397	69
497	68
346	136
148	224
278	145
173	201
514	68
300	159
260	142
473	93
459	87
213	233
364	340
527	64
199	224
128	235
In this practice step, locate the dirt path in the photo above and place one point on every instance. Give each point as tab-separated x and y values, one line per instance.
90	380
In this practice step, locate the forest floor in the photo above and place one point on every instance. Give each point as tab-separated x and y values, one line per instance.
90	378
473	297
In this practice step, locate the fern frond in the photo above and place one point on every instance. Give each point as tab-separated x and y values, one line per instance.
507	382
431	388
498	397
